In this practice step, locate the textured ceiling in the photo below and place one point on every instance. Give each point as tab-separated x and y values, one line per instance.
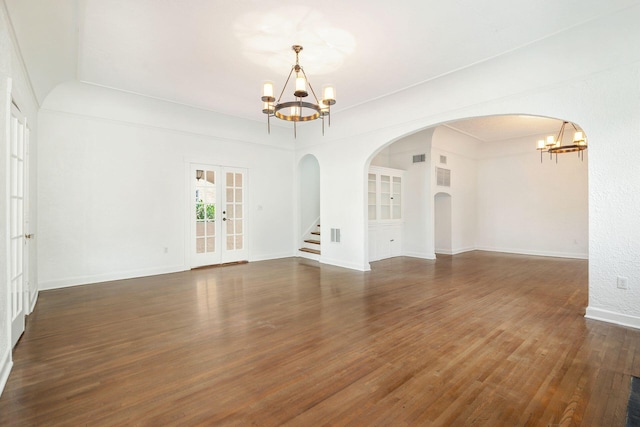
215	54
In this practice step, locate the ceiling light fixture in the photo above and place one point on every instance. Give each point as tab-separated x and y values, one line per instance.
553	144
298	110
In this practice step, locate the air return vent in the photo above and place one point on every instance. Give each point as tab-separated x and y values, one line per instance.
443	177
419	158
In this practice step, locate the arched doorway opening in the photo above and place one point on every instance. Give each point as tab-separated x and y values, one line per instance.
508	197
309	207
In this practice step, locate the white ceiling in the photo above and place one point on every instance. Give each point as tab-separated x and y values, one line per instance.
215	54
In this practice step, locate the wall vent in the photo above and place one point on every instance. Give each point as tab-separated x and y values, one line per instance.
335	235
443	159
419	158
443	177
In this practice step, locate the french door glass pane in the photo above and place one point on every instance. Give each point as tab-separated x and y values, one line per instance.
234	194
205	211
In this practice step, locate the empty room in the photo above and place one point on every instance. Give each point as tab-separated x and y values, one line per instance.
338	213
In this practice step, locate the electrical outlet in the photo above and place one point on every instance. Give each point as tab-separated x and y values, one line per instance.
623	283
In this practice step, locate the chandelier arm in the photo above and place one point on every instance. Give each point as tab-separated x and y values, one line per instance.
561	134
285	85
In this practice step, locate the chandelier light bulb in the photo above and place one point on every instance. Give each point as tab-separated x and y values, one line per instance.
301	87
267	107
328	94
267	92
551	141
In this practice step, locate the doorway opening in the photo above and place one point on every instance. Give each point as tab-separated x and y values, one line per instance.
442	223
217	215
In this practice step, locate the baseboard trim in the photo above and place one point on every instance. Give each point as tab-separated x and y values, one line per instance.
612	317
307	255
108	277
421	255
281	255
454	251
5	370
533	252
349	265
32	303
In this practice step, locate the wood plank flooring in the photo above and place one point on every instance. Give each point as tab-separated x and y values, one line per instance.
478	339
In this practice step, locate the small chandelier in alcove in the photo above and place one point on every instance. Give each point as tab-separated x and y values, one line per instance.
554	144
298	110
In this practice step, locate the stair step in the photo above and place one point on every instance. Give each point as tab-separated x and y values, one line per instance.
311	251
315	233
315	242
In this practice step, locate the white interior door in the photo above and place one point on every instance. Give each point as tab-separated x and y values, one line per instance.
217	215
17	260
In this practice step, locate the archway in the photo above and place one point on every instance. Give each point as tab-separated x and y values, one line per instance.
505	191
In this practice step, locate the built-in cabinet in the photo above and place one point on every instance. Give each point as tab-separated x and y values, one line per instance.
384	195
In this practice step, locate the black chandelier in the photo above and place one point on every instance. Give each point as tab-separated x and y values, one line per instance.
298	110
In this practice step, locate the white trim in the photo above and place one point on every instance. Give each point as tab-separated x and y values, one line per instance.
422	255
5	370
349	265
33	300
121	275
281	255
308	255
612	317
462	250
574	255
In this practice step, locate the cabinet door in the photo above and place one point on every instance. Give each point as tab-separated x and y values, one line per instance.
372	197
396	197
385	197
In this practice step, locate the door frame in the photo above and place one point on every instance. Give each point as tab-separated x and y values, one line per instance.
190	166
17	329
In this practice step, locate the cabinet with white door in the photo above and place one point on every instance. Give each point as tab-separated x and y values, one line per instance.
385	209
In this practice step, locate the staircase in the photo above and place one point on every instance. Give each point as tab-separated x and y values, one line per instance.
311	244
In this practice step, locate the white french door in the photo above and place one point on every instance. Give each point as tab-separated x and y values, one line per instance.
217	215
18	142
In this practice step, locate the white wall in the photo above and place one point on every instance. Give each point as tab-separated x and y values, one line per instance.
14	84
113	183
442	221
596	87
461	153
529	207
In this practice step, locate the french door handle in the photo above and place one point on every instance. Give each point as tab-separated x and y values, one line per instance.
224	219
28	236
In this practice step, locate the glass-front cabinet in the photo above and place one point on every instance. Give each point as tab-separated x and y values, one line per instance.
384	202
372	196
385	194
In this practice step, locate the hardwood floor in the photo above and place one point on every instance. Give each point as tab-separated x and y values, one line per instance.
475	339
